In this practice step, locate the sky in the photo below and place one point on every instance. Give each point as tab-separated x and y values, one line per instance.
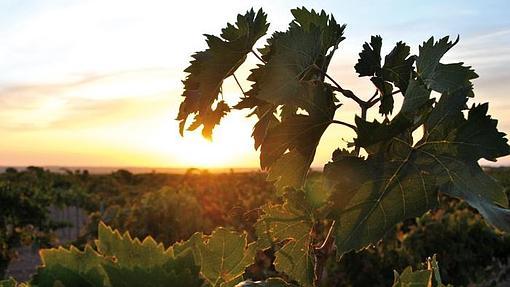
98	83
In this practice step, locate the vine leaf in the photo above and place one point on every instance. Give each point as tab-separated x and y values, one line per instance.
397	70
224	256
398	66
137	263
291	81
385	89
129	252
450	77
430	53
265	113
373	136
70	267
300	135
179	273
118	261
369	61
8	283
291	57
209	119
458	144
291	223
384	190
190	246
209	68
420	278
332	32
440	77
292	54
400	179
283	176
417	102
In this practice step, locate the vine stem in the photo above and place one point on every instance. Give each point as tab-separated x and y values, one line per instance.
373	97
364	105
258	57
344	124
364	108
347	93
239	84
322	254
374	100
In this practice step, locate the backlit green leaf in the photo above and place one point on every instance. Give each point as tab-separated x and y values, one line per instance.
428	277
8	283
291	222
408	278
224	256
119	261
146	262
71	267
129	252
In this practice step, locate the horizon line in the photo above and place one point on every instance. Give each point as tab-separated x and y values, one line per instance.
150	169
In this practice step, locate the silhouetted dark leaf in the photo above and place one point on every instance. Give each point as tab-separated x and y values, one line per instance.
210	67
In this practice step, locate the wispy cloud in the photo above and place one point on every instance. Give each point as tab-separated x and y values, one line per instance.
94	99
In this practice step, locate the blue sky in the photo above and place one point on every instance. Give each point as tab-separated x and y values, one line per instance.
99	82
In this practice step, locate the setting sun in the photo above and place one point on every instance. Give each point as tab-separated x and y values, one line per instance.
231	146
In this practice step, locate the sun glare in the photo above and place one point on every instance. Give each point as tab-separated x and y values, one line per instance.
203	153
231	145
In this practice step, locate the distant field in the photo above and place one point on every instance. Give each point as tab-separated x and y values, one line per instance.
137	170
166	170
172	204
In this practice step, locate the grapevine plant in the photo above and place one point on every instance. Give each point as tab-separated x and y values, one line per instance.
360	197
384	176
